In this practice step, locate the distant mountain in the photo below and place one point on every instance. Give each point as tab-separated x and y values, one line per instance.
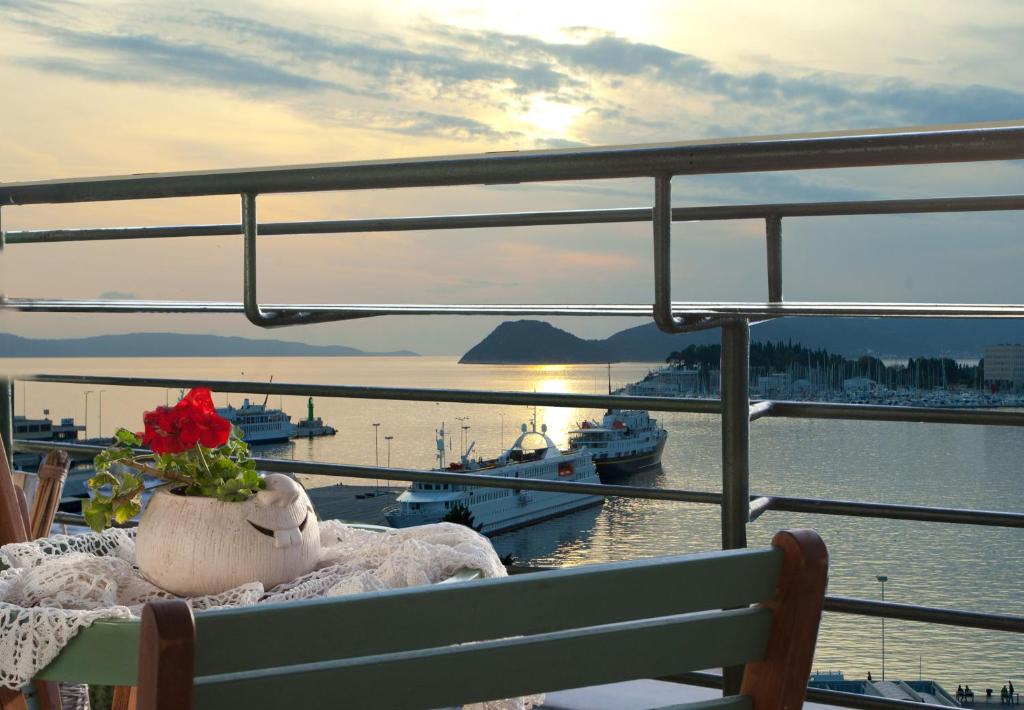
534	341
170	345
537	342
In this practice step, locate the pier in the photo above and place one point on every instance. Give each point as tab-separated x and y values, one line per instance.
353	504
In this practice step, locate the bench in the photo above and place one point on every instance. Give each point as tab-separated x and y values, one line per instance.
439	646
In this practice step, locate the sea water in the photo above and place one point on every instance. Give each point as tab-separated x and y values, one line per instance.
956	566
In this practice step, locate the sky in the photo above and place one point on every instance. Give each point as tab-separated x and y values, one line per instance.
102	88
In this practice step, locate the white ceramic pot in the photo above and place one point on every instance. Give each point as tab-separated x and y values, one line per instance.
192	546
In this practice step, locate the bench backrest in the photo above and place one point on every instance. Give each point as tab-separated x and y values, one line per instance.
430	647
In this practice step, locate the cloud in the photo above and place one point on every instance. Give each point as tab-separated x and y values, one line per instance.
466	84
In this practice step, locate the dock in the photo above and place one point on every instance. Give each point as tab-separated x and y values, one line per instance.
353	504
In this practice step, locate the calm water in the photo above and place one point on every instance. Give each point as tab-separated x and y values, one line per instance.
927	563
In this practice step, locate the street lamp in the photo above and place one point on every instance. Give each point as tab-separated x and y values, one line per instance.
87	393
101	412
388	439
376	451
883	579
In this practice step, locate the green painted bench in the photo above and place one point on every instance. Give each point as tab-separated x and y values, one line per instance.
439	646
107	652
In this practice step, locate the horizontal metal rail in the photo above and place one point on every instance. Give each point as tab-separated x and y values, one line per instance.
752	310
817	695
889	511
619	215
793	152
927	614
782	409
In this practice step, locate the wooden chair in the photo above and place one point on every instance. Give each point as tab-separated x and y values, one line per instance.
432	647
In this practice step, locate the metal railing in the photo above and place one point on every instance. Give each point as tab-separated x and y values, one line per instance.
660	163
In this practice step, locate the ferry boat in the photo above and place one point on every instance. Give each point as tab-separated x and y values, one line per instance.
533	455
624	442
259	424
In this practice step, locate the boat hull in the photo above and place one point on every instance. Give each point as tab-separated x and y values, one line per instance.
614	469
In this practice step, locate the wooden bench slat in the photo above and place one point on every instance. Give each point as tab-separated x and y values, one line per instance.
730	702
116	642
438	677
305	632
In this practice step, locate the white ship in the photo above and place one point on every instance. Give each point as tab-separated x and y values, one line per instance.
533	455
624	442
259	425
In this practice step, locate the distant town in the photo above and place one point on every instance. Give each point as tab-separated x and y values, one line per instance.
788	370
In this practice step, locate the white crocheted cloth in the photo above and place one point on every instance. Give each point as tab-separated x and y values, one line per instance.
56	586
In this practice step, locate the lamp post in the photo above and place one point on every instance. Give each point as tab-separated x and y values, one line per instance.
376	451
87	393
388	439
883	579
100	393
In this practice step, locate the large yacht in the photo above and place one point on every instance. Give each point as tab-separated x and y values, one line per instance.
259	424
624	442
533	455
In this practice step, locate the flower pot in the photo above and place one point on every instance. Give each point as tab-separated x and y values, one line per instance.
190	545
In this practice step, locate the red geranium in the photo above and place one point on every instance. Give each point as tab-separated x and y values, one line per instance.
193	420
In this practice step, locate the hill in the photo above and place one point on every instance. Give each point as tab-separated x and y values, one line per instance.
537	342
171	345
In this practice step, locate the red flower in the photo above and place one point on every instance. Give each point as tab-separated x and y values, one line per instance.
193	420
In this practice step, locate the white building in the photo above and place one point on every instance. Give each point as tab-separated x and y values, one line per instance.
1005	363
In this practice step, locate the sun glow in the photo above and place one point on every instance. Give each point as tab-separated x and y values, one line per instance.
552	118
558	419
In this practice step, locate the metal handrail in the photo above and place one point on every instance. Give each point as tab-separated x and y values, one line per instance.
658	162
617	215
767	408
809	151
757	501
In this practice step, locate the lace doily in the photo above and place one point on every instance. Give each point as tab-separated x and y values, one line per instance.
57	586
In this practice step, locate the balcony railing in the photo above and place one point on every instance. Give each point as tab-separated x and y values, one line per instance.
660	163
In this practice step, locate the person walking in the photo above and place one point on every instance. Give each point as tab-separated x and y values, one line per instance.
1003	695
1009	685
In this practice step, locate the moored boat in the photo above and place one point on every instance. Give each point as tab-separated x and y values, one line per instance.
532	456
624	442
259	424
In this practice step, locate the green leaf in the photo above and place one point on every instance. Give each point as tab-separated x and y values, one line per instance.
126	511
102	478
97	514
126	437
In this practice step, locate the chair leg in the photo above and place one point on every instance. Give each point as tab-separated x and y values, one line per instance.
12	700
125	698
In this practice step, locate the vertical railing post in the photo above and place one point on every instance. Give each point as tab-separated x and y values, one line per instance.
6	385
735	374
773	243
7	417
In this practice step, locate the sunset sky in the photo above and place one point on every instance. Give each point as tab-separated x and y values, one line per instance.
95	88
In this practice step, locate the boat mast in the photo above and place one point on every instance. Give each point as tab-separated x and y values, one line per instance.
440	446
268	393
